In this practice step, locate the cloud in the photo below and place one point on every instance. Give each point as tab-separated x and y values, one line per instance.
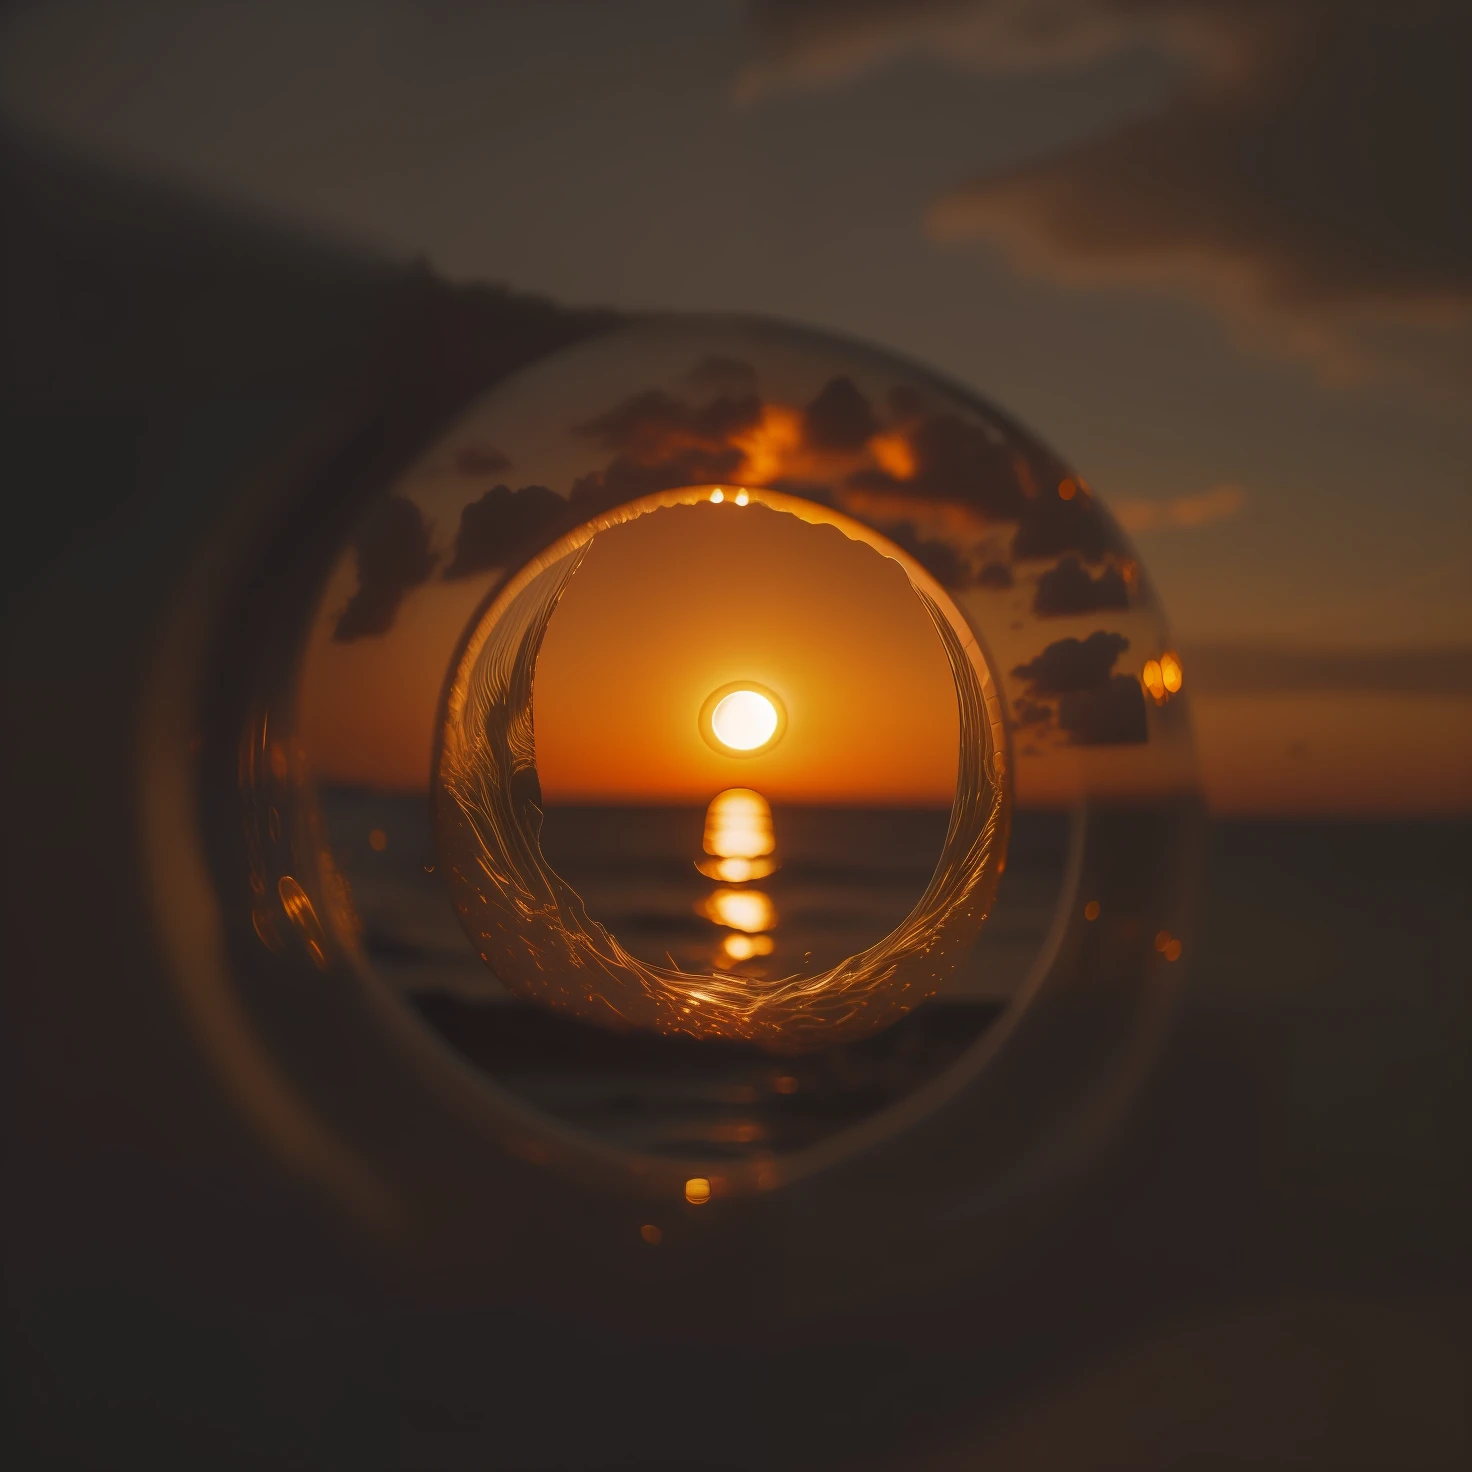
1307	181
823	42
393	555
660	441
1200	509
1071	686
840	418
1069	589
1070	665
942	560
939	483
1234	667
1113	714
1050	526
953	459
498	523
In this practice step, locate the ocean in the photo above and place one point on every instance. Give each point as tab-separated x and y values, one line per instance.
845	878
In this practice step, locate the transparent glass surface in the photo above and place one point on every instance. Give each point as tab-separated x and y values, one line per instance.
964	718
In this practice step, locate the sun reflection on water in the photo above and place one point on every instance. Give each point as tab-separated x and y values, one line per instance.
742	844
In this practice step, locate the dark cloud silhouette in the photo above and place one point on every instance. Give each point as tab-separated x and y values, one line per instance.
957	461
1049	526
1070	665
943	561
839	418
650	423
1308	179
499	522
1068	588
1111	715
660	441
393	554
1072	686
480	459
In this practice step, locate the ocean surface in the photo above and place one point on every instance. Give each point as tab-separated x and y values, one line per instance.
845	878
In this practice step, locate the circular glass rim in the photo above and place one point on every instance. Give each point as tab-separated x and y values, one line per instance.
488	820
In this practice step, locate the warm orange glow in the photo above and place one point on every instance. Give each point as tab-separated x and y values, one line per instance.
742	498
1153	680
744	947
665	608
745	720
785	1084
1326	752
738	825
299	910
741	909
717	496
1092	910
651	1234
1067	490
1170	672
1172	951
893	453
378	840
736	871
697	1190
774	440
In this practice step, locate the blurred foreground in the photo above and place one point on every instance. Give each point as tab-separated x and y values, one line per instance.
1272	1270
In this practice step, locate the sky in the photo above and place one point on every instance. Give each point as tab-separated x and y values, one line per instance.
827	624
1217	252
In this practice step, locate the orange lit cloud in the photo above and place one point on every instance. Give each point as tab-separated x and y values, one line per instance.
1220	503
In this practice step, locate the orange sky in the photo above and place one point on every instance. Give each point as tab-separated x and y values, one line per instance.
669	607
672	606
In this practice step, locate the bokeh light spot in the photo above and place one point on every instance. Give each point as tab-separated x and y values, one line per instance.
741	909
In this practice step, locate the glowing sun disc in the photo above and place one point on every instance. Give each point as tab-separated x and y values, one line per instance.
744	720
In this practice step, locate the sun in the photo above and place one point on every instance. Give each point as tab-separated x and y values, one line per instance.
742	719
